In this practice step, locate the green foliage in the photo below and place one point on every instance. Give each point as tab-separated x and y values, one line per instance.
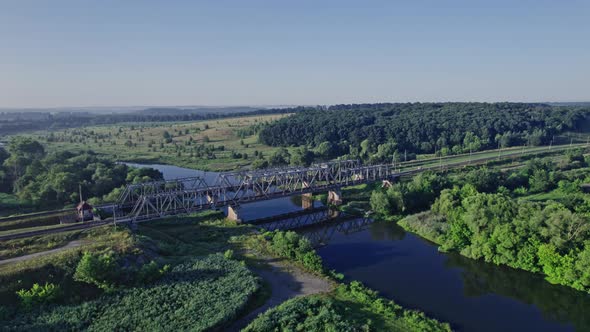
54	179
304	314
414	196
380	202
353	307
483	179
198	295
100	270
427	224
150	272
293	246
280	157
302	156
406	320
549	238
260	164
228	254
39	295
422	127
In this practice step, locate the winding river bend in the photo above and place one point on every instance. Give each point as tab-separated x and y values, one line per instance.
471	295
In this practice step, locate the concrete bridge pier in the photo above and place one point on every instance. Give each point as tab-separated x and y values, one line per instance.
307	201
233	213
335	197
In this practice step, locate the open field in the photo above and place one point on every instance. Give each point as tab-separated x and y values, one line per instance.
221	144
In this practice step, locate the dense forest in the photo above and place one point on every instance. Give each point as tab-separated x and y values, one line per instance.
536	218
446	128
53	179
15	122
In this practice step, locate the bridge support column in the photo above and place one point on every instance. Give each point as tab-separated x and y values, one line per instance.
307	198
307	201
335	197
233	213
387	183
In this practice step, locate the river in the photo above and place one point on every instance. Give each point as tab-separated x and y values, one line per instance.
470	295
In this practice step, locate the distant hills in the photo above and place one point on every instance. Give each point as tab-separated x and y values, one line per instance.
197	110
146	110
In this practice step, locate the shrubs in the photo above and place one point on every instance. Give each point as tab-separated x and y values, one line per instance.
352	308
150	272
100	270
228	254
198	295
38	295
429	225
312	313
293	246
404	319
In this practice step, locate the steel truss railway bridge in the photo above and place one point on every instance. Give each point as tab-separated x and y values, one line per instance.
152	200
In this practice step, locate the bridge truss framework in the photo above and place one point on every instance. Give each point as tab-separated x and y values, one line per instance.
162	198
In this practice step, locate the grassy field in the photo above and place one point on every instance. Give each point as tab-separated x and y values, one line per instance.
192	245
219	144
206	145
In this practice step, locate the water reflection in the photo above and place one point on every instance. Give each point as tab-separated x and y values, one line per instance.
557	303
471	295
321	234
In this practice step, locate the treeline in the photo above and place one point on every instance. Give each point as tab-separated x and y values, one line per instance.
365	130
43	179
536	218
11	123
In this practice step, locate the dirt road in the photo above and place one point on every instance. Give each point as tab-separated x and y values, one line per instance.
73	244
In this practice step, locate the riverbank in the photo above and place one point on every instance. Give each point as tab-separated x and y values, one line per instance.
435	228
348	306
199	254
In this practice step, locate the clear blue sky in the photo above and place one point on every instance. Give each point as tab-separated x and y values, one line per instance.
113	52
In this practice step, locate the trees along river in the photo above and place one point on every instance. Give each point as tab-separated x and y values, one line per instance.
470	294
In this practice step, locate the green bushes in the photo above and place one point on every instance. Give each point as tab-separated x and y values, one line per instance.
427	224
547	238
353	307
293	246
38	295
150	272
228	254
312	313
396	315
100	270
414	196
198	295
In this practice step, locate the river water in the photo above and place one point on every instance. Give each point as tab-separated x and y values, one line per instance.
470	295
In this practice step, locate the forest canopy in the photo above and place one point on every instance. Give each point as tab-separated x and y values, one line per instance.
448	128
55	179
